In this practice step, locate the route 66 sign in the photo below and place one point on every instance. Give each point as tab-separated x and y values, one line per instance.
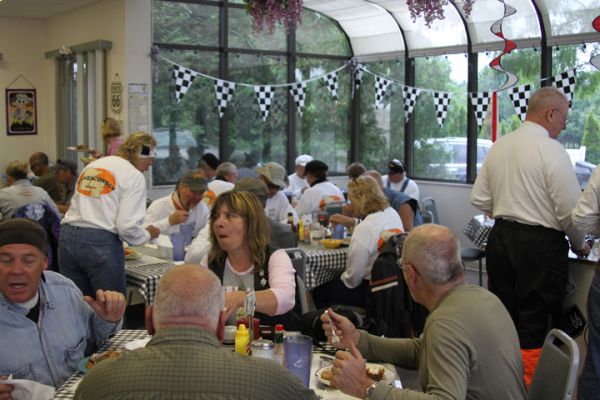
116	95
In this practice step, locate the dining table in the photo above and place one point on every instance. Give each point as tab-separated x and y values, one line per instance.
320	359
323	265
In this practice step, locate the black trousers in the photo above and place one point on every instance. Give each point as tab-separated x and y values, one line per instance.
527	269
335	292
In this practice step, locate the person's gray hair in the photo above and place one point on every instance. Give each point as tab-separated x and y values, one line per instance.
544	98
435	253
188	292
226	168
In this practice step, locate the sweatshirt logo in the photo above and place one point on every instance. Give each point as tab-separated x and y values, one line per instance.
95	182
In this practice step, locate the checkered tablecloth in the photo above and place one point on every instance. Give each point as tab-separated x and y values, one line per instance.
163	253
145	278
478	229
67	390
324	265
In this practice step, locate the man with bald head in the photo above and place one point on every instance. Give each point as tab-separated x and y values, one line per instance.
528	185
469	348
184	358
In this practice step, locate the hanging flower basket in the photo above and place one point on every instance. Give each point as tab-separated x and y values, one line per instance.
431	10
266	13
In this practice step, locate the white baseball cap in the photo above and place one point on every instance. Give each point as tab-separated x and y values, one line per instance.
303	159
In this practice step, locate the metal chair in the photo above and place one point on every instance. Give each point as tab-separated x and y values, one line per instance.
298	257
556	371
427	216
428	204
473	254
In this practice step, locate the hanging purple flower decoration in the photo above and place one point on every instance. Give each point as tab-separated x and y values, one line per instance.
431	10
266	13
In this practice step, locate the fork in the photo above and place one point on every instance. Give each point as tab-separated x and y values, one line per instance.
334	337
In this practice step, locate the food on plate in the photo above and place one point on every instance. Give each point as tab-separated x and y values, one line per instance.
375	372
331	243
105	355
131	254
82	147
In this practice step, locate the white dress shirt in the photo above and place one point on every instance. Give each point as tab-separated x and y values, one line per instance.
527	177
159	211
296	185
586	214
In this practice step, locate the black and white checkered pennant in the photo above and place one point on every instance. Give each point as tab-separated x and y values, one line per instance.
358	75
519	96
331	81
183	80
480	102
441	100
297	90
224	92
410	99
565	82
264	96
381	85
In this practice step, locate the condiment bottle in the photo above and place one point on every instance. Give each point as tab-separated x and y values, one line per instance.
279	356
290	222
301	230
263	348
242	340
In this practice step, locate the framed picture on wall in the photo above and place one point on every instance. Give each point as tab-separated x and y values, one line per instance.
21	112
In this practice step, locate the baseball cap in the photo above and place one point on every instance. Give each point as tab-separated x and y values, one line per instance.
396	167
303	159
275	173
253	185
194	180
23	231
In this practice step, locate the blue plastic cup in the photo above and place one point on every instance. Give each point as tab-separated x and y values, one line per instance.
339	231
298	356
187	230
178	242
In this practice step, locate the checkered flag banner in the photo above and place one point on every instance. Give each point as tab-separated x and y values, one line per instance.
264	96
480	102
565	82
410	99
441	100
297	90
224	92
183	80
358	75
519	96
381	85
331	81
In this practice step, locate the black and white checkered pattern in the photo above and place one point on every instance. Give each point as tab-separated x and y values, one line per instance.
224	92
381	85
478	229
183	80
358	75
410	99
298	93
331	81
324	265
441	101
519	96
118	342
264	96
565	82
480	102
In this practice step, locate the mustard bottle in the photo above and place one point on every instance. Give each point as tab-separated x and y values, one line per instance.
242	340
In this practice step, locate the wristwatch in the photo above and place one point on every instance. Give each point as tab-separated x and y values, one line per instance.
369	391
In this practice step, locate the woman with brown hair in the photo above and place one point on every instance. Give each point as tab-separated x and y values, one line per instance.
106	210
242	258
111	134
370	204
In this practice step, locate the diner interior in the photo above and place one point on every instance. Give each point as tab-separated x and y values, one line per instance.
377	85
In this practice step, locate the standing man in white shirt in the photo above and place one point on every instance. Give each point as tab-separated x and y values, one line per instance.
528	185
320	192
397	180
107	209
278	207
297	180
183	206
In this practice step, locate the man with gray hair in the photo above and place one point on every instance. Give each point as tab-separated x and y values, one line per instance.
469	348
184	358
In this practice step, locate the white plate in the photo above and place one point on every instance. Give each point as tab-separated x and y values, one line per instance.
74	148
388	375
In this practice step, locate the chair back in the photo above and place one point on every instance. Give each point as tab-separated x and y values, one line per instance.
429	205
298	257
50	221
427	216
556	371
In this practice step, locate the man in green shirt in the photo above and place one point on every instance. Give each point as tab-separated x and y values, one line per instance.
469	348
184	359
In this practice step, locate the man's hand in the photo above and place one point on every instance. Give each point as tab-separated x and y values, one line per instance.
584	252
345	330
178	217
153	231
109	305
349	373
5	390
348	222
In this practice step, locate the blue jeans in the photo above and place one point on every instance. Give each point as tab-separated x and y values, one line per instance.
92	258
588	386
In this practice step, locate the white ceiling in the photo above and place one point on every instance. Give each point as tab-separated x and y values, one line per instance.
39	9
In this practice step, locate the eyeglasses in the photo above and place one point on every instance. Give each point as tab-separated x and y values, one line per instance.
566	117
